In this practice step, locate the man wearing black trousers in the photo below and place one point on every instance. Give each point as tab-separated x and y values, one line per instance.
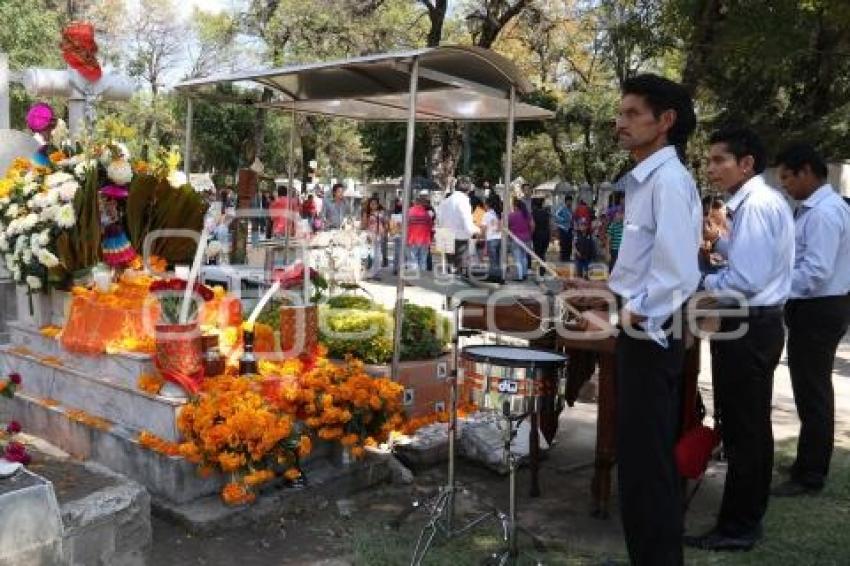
656	272
818	313
757	280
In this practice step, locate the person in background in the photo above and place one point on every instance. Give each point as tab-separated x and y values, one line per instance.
284	210
492	226
478	211
394	232
818	312
455	214
564	221
542	233
308	209
615	236
375	222
420	226
333	211
521	225
756	281
582	211
319	200
584	247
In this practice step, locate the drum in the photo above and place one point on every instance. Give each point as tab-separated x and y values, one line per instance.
509	379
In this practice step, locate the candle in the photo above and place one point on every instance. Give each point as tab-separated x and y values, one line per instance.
102	279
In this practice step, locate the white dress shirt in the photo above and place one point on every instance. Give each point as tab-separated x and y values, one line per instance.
760	246
455	213
822	232
657	267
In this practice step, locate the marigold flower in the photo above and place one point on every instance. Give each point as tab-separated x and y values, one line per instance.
237	494
305	446
292	474
258	477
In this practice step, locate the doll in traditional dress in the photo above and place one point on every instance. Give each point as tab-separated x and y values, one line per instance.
118	252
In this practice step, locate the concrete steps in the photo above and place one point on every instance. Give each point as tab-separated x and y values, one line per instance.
112	445
59	376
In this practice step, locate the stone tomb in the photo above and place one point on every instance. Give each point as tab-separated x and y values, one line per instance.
92	408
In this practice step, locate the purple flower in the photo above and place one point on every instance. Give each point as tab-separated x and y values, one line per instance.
14	427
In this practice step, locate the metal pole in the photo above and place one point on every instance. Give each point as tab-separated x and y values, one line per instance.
408	174
187	155
506	193
4	91
291	188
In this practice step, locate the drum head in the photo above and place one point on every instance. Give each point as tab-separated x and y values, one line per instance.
513	356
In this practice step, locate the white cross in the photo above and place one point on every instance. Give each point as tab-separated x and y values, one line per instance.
81	93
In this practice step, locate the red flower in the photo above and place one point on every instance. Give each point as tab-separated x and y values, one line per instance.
15	378
14	427
17	452
293	275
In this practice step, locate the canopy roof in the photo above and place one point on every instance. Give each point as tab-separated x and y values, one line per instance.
456	83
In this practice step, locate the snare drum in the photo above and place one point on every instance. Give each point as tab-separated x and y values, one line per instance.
509	376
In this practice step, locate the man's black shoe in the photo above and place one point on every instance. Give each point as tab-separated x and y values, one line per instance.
716	541
792	488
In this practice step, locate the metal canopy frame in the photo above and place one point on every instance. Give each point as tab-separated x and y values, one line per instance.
437	84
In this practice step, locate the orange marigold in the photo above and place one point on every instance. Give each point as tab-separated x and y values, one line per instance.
305	446
330	433
150	383
157	444
258	478
231	462
357	452
237	494
292	474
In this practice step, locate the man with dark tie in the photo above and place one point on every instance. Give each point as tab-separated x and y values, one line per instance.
818	313
656	272
757	281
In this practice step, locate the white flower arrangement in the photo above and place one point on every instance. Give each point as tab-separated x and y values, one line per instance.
33	282
12	211
47	259
119	172
177	179
65	216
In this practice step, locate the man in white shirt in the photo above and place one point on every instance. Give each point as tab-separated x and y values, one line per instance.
455	213
818	313
656	271
757	280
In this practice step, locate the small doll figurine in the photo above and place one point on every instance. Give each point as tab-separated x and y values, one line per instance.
117	250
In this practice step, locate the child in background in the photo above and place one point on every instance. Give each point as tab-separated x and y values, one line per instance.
585	247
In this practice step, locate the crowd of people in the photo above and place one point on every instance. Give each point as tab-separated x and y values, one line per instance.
776	271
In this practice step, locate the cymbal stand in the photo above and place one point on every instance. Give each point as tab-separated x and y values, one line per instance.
442	509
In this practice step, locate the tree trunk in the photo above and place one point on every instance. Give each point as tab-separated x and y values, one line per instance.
707	19
260	126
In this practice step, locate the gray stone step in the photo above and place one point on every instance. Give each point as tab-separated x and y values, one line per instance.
95	393
114	446
123	368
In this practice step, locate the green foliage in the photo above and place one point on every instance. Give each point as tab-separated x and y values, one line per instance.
424	333
355	326
350	302
366	335
154	205
80	247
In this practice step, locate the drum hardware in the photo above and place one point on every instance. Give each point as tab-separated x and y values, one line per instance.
507	380
442	509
